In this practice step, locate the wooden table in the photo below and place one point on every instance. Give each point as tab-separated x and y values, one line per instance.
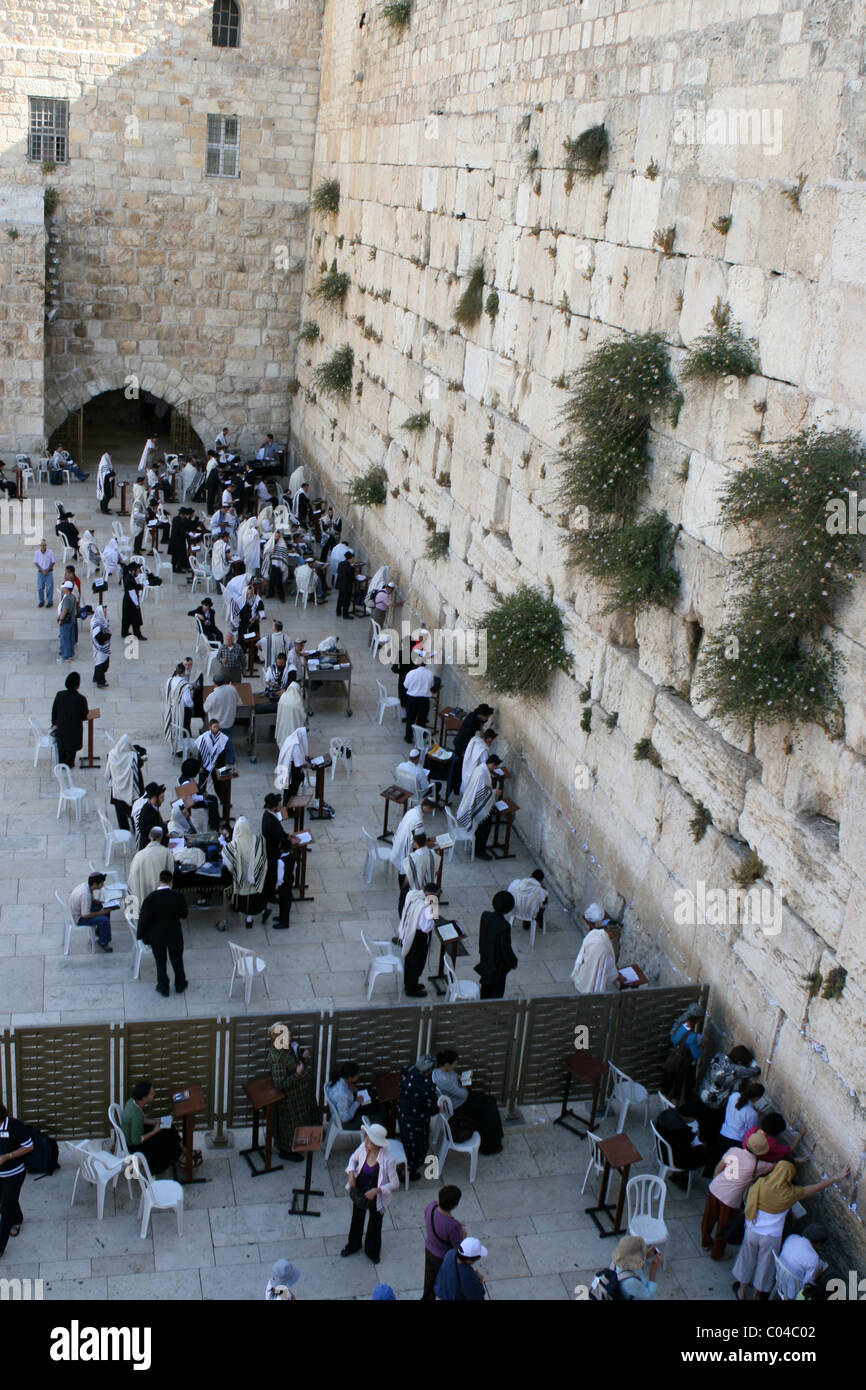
400	796
307	1140
262	1095
223	786
300	879
244	689
505	818
124	510
452	948
90	761
591	1070
319	790
387	1087
619	1153
185	1110
328	675
298	805
449	723
438	770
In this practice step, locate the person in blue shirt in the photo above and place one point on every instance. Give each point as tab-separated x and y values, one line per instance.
628	1260
458	1280
678	1077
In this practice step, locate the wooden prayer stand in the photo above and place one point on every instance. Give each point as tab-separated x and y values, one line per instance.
223	786
452	949
501	818
307	1140
632	984
387	1088
619	1153
319	790
400	796
186	1110
591	1070
449	723
263	1096
300	879
298	805
124	511
89	718
251	644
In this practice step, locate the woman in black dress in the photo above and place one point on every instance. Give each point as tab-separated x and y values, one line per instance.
417	1102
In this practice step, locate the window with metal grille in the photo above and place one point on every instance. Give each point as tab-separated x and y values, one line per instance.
49	130
226	24
223	140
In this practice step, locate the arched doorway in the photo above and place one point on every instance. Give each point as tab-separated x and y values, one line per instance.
119	425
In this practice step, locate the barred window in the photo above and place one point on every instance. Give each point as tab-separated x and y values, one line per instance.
226	24
223	141
49	130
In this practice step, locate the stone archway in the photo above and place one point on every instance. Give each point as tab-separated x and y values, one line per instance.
68	392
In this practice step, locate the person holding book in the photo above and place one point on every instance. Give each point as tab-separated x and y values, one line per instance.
473	1110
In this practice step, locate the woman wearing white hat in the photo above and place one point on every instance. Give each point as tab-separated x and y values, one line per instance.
372	1179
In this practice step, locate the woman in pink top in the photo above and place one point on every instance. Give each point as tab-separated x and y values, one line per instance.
737	1169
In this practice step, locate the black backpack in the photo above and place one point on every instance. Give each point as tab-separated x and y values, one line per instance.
45	1157
605	1287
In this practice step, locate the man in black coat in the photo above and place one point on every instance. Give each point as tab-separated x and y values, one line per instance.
472	724
345	586
275	844
67	719
494	947
149	816
159	927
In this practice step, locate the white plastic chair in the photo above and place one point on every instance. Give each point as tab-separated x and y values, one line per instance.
306	588
386	701
422	739
139	950
468	1146
625	1093
209	663
645	1203
121	838
665	1159
596	1160
407	781
157	1194
340	753
246	966
459	989
375	636
398	1153
201	573
115	886
788	1284
376	854
41	739
385	963
458	834
70	925
115	1119
99	1168
335	1128
664	1102
72	796
43	470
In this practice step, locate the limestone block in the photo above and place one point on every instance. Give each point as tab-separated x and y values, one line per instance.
621	686
706	767
737	737
705	282
851	950
783	337
802	858
852	683
819	773
663	647
852	821
633	796
837	1026
701	501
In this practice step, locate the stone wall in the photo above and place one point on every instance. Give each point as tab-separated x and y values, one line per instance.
22	295
429	133
169	280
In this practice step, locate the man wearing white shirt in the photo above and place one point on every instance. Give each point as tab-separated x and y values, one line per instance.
417	685
44	560
222	439
87	911
798	1254
222	705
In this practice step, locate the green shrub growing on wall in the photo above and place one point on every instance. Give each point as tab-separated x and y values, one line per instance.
722	351
525	643
397	13
470	305
586	156
333	286
310	332
334	377
326	198
772	661
437	545
371	489
634	561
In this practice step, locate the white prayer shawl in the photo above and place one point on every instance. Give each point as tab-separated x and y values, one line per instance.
298	478
103	472
174	707
413	911
293	753
420	868
529	898
89	548
146	868
220	560
237	587
595	968
379	580
110	558
291	714
211	465
180	823
99	624
282	518
210	749
135	812
137	517
476	752
122	773
337	554
412	820
189	476
246	860
145	455
270	647
250	545
477	800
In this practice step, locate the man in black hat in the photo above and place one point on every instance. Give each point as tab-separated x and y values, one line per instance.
149	815
275	843
159	927
345	585
494	947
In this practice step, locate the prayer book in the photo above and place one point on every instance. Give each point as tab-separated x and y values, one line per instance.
304	838
312	664
444	841
502	805
447	931
629	975
316	762
466	1078
364	1097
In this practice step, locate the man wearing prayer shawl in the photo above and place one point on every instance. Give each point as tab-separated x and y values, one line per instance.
125	782
595	969
530	898
291	714
477	751
178	705
291	763
420	912
246	860
410	822
476	805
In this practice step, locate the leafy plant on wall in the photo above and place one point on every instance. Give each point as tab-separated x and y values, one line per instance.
525	642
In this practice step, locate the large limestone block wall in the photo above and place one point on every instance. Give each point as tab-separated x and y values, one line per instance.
429	133
169	280
22	296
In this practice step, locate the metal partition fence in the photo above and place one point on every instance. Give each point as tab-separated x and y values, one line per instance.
63	1078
